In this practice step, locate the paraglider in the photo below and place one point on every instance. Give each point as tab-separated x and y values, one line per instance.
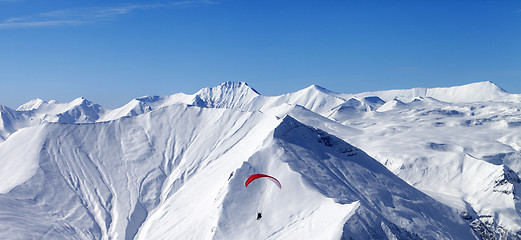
257	176
253	177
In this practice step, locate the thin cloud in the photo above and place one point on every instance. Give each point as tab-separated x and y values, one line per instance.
79	16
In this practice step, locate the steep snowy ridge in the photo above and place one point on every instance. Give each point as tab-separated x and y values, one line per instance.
80	110
10	121
227	95
325	195
497	203
345	173
114	174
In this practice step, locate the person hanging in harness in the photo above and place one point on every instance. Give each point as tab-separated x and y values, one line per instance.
257	176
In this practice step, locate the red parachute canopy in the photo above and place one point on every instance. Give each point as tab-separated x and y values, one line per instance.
256	176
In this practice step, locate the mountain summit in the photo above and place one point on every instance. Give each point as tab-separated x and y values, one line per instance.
227	95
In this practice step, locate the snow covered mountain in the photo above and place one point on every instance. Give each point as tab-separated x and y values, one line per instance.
474	92
37	111
439	163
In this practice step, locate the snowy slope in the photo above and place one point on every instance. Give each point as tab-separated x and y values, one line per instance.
10	121
146	169
112	174
463	154
385	205
178	173
315	201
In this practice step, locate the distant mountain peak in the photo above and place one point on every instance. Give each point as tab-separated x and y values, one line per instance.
486	85
148	98
319	88
229	88
37	103
31	105
227	94
236	86
473	92
79	101
479	91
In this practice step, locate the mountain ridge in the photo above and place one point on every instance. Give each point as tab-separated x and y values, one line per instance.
479	91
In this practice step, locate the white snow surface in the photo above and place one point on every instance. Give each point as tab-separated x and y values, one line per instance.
439	163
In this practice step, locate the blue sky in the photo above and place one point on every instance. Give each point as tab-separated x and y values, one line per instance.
113	51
